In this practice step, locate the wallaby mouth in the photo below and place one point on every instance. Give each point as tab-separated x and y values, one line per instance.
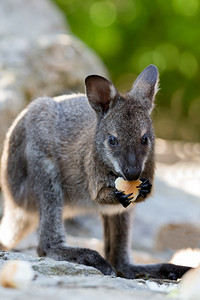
115	175
128	175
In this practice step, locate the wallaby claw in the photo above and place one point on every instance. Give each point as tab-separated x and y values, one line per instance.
124	199
144	187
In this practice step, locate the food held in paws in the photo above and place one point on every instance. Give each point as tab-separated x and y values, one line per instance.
128	187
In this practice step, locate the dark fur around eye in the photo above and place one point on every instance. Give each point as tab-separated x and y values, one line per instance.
112	141
144	139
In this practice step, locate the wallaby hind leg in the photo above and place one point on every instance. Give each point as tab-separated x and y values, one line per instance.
117	252
15	225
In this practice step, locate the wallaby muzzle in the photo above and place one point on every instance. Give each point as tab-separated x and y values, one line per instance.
132	168
132	173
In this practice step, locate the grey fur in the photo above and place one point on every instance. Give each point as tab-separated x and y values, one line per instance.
57	163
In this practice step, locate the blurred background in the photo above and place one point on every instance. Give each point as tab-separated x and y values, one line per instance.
129	35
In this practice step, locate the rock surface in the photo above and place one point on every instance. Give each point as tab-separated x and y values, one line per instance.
40	17
38	56
66	280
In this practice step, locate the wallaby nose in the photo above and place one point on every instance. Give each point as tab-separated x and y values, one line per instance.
132	173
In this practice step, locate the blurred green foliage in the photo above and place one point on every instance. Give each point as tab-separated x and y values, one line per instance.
131	34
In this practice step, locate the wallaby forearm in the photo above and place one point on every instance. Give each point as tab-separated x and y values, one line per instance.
106	196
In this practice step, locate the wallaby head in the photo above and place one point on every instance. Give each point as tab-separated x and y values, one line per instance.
124	133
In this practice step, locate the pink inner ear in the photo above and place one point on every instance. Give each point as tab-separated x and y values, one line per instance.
104	95
100	91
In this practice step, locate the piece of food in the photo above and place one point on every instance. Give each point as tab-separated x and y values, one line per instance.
16	274
128	187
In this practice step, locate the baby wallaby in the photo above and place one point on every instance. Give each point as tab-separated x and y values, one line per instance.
61	158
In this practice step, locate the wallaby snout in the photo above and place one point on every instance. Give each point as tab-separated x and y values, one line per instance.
131	169
132	173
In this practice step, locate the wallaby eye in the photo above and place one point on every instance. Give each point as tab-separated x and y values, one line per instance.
112	141
144	139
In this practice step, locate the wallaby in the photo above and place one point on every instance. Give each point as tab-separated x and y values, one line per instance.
62	156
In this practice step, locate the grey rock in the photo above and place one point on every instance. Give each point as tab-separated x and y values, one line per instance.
58	64
49	267
64	268
61	279
30	19
38	56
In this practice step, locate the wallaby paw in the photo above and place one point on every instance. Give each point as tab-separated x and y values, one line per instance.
94	259
82	256
107	269
159	271
173	272
144	187
124	199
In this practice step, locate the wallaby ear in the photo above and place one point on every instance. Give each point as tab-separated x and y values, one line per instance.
146	86
101	93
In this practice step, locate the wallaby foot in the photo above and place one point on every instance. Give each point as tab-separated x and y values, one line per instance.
117	239
82	256
162	271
